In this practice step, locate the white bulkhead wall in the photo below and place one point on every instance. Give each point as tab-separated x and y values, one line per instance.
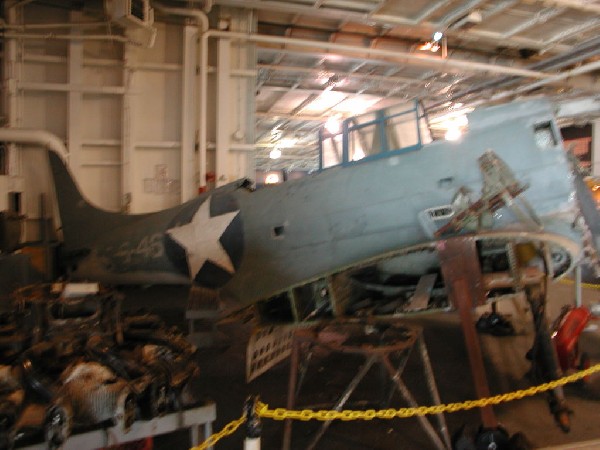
129	113
235	85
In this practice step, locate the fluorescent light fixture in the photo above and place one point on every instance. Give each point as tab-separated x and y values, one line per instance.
275	154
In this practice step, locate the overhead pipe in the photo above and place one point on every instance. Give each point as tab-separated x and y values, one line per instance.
45	26
356	16
588	49
574	4
407	57
198	15
70	37
553	79
35	136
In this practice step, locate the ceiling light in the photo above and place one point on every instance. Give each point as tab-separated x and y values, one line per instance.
437	36
275	153
453	134
287	142
357	105
333	125
325	101
425	46
272	178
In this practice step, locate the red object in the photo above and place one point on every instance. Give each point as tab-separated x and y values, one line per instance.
566	336
211	177
142	444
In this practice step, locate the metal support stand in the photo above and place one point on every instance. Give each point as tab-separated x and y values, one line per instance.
394	341
578	298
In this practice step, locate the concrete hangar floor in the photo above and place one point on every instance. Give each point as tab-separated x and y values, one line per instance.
223	380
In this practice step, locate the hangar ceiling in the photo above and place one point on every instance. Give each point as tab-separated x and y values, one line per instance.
318	60
342	57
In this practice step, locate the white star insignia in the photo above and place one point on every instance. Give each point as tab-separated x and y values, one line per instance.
200	239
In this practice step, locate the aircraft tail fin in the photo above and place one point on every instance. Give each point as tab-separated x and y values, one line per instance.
81	221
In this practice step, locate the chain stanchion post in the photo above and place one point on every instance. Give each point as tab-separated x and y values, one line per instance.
253	425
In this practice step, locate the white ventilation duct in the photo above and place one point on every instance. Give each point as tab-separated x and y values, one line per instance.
33	136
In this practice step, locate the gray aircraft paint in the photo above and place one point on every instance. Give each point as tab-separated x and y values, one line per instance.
288	234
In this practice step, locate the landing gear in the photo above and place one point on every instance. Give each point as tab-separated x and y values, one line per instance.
467	288
545	365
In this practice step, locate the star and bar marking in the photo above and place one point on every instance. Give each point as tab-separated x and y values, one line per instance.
200	239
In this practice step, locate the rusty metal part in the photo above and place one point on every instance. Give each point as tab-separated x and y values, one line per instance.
528	276
500	188
460	267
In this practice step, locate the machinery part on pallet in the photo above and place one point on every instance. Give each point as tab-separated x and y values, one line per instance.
8	418
124	413
57	425
87	364
96	393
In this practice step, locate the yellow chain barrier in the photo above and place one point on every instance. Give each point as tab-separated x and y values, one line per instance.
325	415
262	409
228	429
584	285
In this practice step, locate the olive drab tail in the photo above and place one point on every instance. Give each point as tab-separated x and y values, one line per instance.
81	222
